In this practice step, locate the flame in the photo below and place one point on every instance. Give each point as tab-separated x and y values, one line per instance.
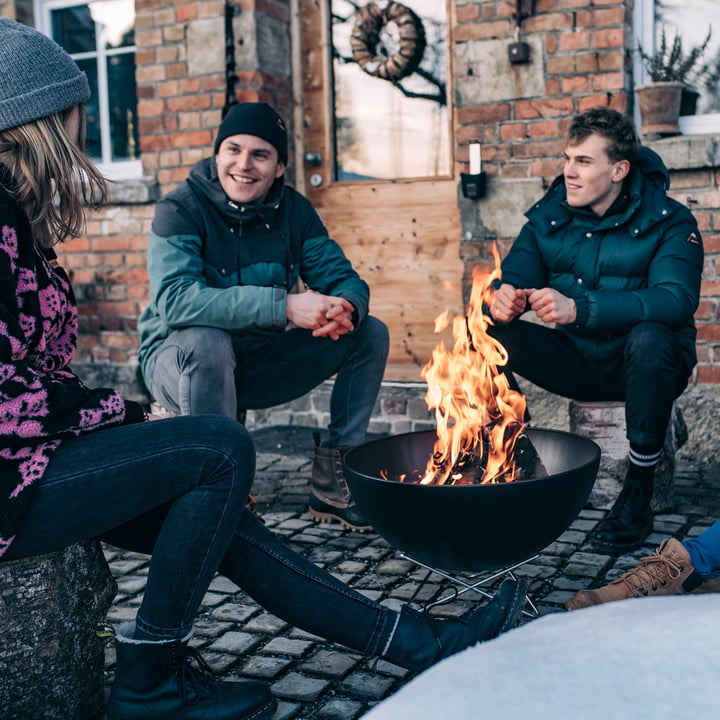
478	415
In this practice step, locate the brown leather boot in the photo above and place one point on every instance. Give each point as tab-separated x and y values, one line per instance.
667	571
330	499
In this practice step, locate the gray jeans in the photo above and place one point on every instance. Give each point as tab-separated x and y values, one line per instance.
207	371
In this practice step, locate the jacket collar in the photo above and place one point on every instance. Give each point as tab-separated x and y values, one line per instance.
644	202
204	180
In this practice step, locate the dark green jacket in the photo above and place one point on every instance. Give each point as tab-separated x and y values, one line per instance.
642	261
215	263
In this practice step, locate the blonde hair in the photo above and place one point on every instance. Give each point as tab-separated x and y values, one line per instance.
50	176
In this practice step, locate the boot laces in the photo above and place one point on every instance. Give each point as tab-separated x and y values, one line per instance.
652	571
194	672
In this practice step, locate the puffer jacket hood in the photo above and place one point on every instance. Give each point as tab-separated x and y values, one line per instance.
204	180
642	203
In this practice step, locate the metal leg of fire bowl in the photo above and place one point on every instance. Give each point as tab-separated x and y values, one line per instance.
475	586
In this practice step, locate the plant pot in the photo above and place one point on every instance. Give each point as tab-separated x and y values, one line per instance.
659	105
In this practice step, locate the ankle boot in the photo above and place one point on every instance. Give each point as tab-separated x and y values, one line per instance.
420	640
158	681
630	519
668	571
330	499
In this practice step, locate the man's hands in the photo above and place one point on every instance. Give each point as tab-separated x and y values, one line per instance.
325	315
549	305
508	303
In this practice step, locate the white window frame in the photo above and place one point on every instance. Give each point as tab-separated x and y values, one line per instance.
114	170
644	33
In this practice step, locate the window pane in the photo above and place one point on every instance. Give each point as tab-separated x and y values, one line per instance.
117	18
74	29
397	127
93	142
693	19
122	100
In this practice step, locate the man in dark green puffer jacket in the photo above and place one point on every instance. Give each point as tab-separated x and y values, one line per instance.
226	328
612	267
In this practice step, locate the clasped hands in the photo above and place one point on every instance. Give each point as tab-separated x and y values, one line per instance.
325	315
549	305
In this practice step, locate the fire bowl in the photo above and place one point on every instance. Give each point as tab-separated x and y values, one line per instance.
471	528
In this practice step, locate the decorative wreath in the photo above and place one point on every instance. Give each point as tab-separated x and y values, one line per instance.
365	39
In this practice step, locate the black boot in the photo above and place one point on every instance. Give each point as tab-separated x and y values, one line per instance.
630	519
420	640
330	499
157	681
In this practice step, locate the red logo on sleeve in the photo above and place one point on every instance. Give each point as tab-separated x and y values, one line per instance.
693	238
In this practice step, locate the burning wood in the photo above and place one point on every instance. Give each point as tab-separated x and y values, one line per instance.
471	467
479	418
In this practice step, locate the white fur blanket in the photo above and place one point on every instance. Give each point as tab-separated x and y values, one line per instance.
647	658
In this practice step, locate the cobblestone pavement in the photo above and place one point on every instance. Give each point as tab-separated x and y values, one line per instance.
315	679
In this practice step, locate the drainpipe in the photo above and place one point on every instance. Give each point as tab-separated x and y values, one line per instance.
230	76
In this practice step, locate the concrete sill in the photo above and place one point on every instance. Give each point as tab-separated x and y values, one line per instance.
688	152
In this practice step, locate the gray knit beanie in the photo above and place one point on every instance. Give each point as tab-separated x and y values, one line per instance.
37	77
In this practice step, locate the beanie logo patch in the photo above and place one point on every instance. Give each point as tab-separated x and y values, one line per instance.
281	125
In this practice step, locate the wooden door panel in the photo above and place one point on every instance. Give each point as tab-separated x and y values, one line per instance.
401	235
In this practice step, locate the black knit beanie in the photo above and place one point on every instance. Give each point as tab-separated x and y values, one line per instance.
257	119
37	77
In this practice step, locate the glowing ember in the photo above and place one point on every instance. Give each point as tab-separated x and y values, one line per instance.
479	417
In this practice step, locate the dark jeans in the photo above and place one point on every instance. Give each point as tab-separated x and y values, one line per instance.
202	371
648	376
176	489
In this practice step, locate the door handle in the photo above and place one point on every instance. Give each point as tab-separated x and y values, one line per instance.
313	159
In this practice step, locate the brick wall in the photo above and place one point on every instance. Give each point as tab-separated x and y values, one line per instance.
580	57
181	81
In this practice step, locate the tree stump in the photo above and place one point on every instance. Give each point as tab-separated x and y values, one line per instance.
604	422
51	659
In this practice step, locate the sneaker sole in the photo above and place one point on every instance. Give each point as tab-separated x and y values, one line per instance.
324	517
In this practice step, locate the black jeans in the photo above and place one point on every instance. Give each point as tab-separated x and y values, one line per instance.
176	489
648	375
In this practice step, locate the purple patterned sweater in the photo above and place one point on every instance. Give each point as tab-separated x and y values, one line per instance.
41	401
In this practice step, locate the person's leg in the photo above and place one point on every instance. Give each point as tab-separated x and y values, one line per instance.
199	471
200	468
284	366
704	552
548	359
194	373
357	384
299	592
654	376
287	365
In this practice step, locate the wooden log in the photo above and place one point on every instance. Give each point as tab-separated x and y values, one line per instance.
51	659
604	422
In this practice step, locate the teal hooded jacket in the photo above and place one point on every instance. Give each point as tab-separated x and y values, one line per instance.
640	262
216	263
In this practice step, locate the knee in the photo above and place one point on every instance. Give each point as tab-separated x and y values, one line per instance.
375	335
228	442
205	347
651	345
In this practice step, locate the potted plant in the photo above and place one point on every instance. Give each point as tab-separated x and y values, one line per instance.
674	75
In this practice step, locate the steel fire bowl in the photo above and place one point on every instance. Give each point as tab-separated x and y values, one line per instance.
471	527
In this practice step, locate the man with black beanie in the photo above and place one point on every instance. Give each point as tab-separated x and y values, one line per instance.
253	304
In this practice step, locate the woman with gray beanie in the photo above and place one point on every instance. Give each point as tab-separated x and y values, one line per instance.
79	463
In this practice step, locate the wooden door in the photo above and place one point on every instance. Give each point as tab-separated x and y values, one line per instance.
375	159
